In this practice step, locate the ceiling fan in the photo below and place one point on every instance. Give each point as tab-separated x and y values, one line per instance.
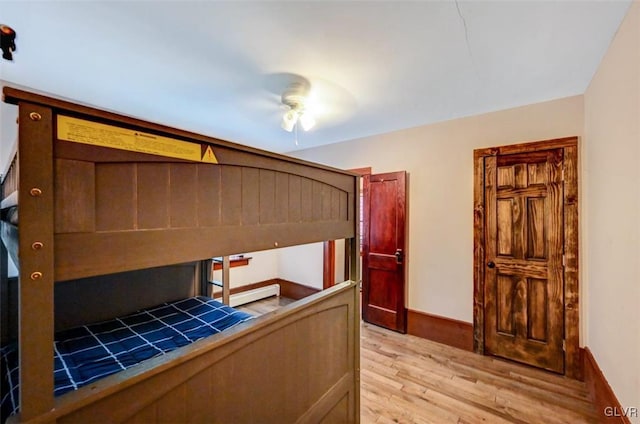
299	111
307	102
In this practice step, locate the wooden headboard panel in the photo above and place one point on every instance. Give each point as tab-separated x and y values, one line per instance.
120	209
203	210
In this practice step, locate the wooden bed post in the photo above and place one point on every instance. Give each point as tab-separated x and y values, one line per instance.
35	150
226	288
205	270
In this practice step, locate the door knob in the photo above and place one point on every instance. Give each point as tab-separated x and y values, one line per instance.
399	256
491	265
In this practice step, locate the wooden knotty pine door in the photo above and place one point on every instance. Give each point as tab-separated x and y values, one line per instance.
521	263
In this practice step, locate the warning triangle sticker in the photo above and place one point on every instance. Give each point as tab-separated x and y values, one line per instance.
208	156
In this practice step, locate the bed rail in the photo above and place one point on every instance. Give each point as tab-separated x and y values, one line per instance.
311	377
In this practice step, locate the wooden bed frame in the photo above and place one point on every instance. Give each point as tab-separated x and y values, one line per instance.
100	194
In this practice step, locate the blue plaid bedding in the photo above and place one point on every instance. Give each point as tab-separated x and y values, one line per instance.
88	353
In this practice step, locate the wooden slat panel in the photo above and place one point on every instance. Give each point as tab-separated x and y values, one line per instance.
335	204
231	198
75	196
326	202
115	196
505	227
536	237
535	191
520	175
208	195
519	227
295	198
282	197
333	177
505	294
344	206
10	179
183	195
316	200
153	195
537	173
536	309
306	199
519	305
250	196
267	196
508	266
506	177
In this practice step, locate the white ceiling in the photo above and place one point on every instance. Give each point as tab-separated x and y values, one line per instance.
218	68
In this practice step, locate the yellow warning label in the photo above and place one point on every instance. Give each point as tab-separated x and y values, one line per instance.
208	156
93	133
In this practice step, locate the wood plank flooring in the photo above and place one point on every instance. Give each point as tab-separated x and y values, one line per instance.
263	306
406	379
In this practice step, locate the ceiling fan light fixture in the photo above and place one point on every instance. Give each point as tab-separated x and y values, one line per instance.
307	121
289	120
295	98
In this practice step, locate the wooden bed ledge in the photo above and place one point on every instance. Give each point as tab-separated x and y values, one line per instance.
245	333
15	96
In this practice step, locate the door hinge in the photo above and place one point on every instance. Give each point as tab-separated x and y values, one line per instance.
562	174
564	260
564	345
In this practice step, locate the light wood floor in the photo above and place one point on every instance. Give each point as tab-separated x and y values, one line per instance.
406	379
265	305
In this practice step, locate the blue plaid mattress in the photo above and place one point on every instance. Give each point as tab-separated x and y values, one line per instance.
88	353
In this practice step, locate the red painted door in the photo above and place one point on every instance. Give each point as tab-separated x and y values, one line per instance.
383	251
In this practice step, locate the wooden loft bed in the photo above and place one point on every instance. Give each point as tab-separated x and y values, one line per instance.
117	214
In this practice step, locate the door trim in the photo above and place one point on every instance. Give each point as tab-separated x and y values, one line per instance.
573	360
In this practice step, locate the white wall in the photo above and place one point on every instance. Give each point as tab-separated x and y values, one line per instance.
262	266
302	264
299	264
611	212
439	160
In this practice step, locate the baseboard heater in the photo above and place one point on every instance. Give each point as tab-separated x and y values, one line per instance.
253	295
